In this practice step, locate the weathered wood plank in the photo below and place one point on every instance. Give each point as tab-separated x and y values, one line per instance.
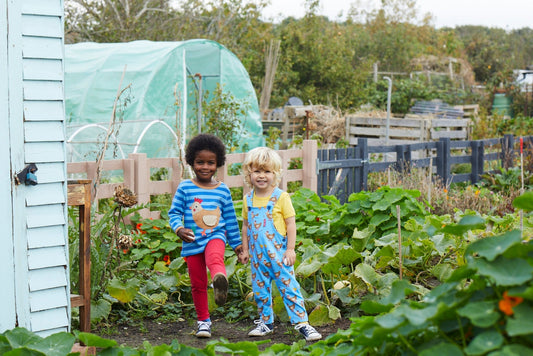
42	69
44	278
381	132
45	215
48	319
42	7
450	123
435	135
42	47
42	26
38	152
48	299
43	194
375	121
47	257
42	90
43	110
46	236
43	131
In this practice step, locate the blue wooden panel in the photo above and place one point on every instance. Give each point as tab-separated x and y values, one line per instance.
48	319
48	332
47	193
51	173
45	278
7	274
42	131
42	26
42	47
48	299
38	152
42	90
47	257
43	7
46	236
45	215
42	69
43	110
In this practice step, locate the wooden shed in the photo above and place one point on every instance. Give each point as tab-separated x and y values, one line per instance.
34	226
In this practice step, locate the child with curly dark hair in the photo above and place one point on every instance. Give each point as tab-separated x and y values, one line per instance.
203	216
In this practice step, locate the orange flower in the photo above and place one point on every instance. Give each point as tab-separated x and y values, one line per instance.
155	228
508	302
166	258
139	225
445	190
125	251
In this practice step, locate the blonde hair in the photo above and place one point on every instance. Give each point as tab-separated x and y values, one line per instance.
262	158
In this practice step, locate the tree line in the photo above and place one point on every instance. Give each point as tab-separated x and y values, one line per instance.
322	61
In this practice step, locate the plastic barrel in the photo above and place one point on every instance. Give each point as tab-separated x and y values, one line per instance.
501	105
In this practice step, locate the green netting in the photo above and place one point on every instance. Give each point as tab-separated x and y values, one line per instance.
161	99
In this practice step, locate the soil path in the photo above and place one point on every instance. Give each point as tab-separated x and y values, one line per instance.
157	333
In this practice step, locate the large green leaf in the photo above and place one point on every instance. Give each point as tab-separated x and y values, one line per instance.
521	323
339	255
95	340
504	271
100	309
19	337
310	266
512	350
467	223
418	316
482	313
390	320
484	342
320	316
524	201
125	292
493	246
400	289
442	349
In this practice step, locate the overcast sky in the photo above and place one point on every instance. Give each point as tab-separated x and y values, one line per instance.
506	14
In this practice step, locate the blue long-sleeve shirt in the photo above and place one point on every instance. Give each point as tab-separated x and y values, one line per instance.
208	212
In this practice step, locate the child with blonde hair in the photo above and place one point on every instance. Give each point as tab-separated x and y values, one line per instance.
268	240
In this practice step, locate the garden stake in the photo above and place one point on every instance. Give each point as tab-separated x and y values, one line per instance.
399	239
522	189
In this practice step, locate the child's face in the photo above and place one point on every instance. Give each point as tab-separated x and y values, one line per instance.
205	166
262	178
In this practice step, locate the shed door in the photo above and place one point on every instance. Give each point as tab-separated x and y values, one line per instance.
7	269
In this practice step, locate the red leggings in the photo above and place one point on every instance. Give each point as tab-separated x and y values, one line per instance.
213	259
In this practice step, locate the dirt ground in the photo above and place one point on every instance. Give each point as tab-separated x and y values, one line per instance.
157	333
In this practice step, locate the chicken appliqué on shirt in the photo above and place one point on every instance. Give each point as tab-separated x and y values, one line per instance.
205	219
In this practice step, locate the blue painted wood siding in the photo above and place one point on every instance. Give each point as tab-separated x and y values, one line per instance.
37	135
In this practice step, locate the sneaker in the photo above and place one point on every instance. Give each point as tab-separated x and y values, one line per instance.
261	329
220	286
204	329
308	332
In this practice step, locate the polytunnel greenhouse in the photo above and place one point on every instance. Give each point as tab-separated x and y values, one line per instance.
139	97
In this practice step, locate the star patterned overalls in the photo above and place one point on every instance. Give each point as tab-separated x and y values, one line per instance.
267	247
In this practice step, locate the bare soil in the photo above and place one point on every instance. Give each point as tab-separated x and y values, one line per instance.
157	333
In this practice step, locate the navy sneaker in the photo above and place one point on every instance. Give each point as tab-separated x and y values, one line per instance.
308	332
204	329
261	329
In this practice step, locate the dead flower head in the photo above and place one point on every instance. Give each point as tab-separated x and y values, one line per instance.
124	242
125	197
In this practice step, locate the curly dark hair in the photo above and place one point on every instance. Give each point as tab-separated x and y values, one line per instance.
206	142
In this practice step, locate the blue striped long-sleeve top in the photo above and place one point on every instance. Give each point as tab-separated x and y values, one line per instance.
208	212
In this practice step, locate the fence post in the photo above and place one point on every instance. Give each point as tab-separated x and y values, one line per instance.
141	179
477	160
309	162
403	158
443	159
362	143
507	151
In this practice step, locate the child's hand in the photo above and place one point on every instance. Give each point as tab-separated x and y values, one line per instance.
289	257
187	235
243	257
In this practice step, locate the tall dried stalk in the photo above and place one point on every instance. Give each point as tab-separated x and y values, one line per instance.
109	132
271	64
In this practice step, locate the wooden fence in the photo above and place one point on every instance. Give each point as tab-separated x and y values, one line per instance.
342	172
404	130
137	169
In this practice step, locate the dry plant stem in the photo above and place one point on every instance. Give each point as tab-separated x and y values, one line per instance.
109	132
399	240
